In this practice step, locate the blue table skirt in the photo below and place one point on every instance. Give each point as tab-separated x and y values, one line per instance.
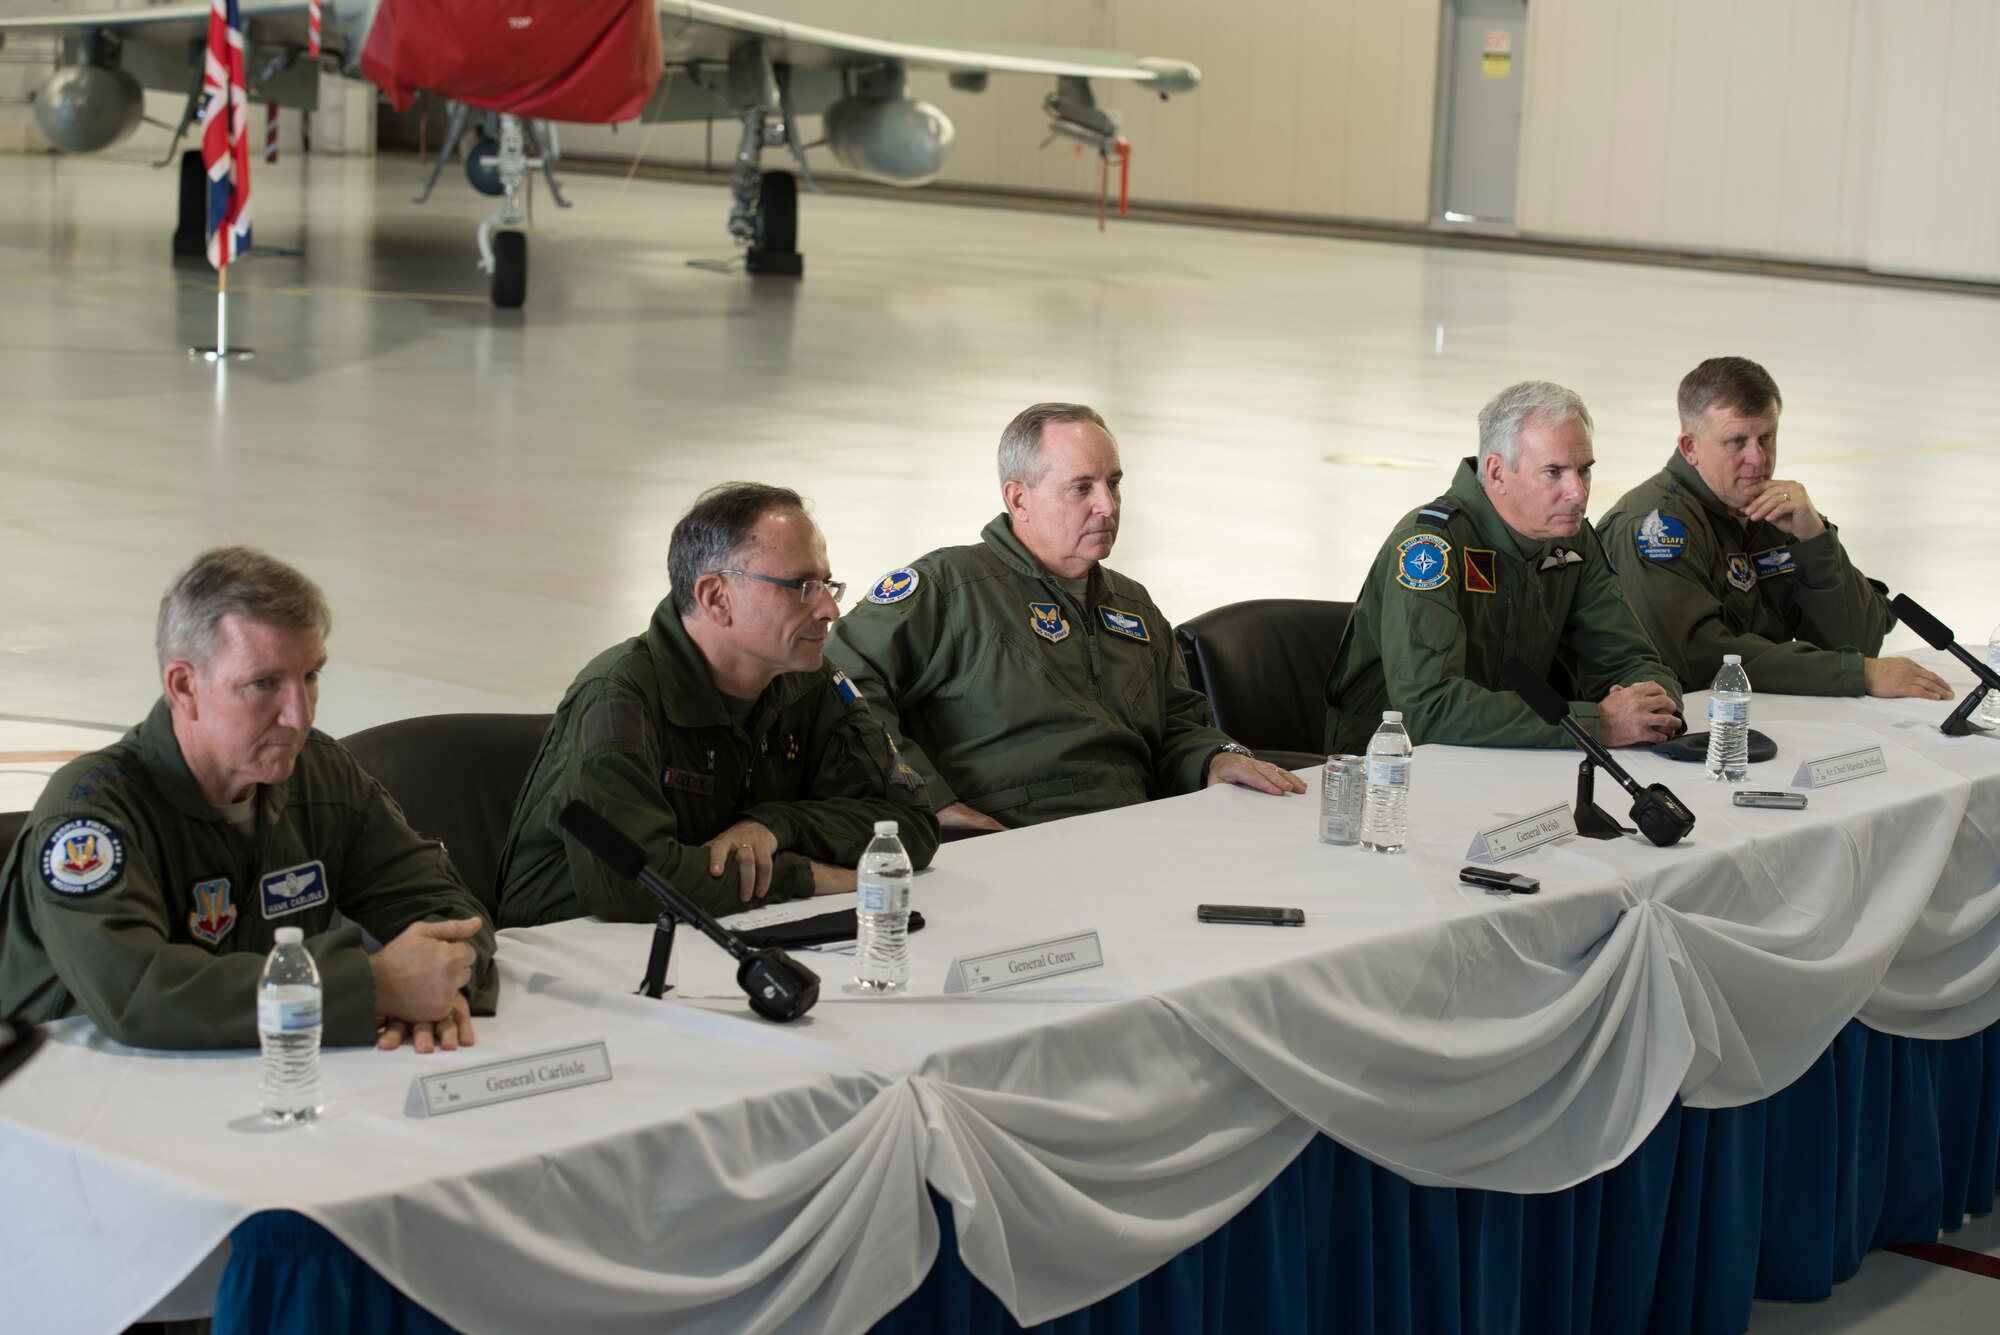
1885	1140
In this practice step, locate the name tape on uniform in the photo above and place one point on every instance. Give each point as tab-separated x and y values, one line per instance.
1024	964
465	1087
1518	836
1847	765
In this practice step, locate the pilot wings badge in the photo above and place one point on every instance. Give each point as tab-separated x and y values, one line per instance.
1124	623
1047	620
292	889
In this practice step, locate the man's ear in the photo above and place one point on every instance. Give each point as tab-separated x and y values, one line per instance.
711	598
1685	444
179	679
1010	496
1490	469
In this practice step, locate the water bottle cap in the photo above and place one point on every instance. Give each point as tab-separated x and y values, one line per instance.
885	827
1731	658
1392	716
291	936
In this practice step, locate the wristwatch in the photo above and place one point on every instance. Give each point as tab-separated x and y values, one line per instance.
1231	748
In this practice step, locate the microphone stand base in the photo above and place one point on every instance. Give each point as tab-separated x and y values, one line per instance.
1592	820
1960	723
655	984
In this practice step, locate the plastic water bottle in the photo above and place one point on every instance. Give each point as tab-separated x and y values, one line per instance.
288	1026
1729	722
1385	814
882	883
1989	708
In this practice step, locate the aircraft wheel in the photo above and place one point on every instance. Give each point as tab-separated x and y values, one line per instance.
510	269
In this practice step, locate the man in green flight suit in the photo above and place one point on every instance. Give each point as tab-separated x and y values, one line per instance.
720	740
152	876
1019	675
1719	557
1501	566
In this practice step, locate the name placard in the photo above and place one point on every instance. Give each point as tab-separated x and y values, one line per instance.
1518	836
1848	765
523	1077
1024	964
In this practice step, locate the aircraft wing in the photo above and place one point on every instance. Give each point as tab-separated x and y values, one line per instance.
693	31
153	22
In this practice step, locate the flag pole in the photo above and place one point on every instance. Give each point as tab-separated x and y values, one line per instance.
222	313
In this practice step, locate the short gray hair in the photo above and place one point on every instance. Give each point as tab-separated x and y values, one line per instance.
234	581
1021	442
1501	420
715	528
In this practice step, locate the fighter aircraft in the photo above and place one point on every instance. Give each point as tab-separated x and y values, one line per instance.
523	65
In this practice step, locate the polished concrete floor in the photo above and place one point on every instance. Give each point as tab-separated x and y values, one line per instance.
487	495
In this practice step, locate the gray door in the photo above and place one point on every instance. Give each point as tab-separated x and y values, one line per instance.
1483	108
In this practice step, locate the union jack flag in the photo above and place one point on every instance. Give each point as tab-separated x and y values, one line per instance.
225	141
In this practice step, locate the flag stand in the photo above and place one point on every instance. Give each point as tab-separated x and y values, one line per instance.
222	352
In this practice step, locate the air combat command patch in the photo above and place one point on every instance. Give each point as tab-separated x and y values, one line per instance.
1423	562
82	857
213	916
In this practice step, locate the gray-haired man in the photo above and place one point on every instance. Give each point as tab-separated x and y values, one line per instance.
1024	679
1501	566
153	875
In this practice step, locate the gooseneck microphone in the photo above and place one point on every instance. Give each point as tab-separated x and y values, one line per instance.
1938	636
779	987
1660	815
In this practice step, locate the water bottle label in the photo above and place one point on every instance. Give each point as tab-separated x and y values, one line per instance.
276	1015
884	896
1389	772
1993	656
1728	711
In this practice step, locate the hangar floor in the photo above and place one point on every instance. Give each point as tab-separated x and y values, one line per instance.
486	495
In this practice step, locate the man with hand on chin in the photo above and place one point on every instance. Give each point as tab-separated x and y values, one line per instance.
720	740
1502	566
1024	679
151	878
1718	556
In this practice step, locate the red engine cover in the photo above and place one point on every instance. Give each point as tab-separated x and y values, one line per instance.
587	61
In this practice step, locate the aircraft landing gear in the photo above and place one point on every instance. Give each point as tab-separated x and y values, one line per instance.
510	269
503	254
776	250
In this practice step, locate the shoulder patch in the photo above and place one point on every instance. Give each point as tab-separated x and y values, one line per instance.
82	857
1423	562
1661	537
213	916
849	693
1741	576
1479	570
895	586
1047	621
614	723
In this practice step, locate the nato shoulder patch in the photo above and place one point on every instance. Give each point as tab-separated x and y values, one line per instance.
1423	562
613	723
82	857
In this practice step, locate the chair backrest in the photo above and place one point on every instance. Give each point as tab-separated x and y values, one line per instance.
11	825
456	777
1263	665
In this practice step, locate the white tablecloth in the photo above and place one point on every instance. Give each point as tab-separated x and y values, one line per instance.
738	1175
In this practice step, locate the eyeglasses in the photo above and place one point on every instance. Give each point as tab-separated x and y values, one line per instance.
809	589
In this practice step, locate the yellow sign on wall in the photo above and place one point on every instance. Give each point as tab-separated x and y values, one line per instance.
1496	66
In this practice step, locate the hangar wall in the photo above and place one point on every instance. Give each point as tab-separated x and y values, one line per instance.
1861	133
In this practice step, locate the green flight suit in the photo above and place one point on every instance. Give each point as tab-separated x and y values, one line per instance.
1452	596
643	736
1015	697
130	898
1705	584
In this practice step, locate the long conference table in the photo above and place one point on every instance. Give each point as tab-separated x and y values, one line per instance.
1450	1109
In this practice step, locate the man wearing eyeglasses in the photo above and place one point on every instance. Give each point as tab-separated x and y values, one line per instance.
1024	679
720	740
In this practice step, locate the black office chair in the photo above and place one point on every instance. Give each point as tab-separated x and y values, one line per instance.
456	777
1263	665
11	825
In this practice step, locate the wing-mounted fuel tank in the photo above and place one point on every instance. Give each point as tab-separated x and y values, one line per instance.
879	132
92	103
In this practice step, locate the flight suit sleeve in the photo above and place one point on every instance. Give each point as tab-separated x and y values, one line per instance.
1682	613
1841	609
614	766
1604	638
857	779
1425	670
892	652
112	948
395	877
1190	737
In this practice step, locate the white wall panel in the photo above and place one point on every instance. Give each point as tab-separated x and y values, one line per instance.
1314	107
